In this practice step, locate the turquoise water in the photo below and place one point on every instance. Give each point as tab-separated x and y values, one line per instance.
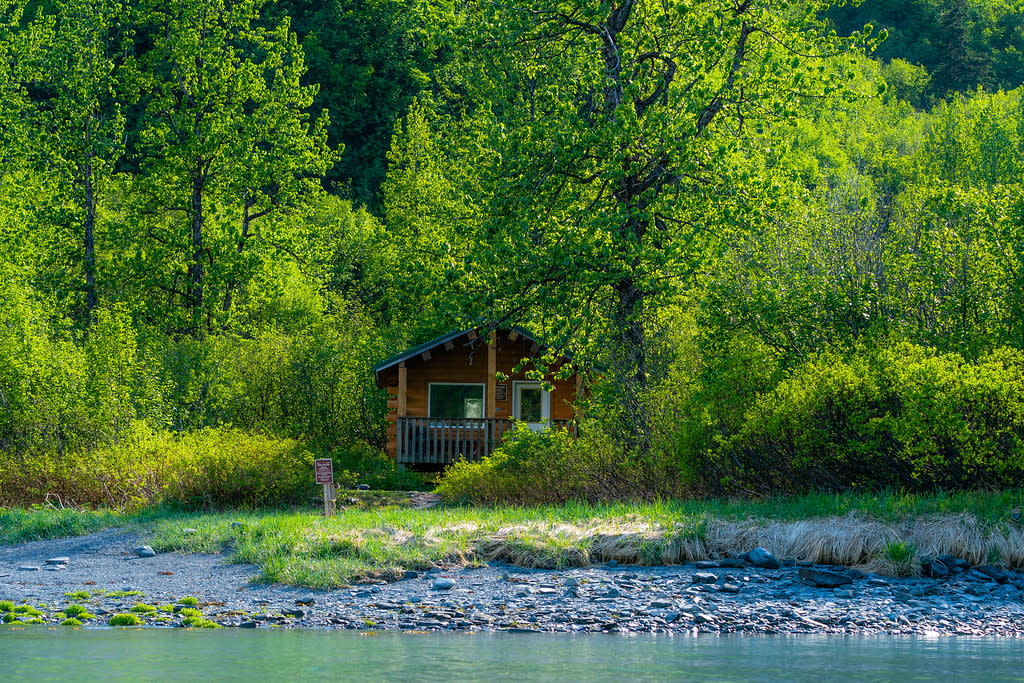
34	654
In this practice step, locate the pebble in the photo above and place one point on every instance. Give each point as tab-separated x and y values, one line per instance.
145	551
443	584
58	560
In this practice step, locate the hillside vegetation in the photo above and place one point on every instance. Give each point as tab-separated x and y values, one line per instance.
786	241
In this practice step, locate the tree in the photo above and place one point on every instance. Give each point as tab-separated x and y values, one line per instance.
226	129
82	125
617	141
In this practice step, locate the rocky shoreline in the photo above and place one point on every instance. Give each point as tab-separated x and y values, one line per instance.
752	593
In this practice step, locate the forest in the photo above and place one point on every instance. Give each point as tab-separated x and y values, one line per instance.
784	239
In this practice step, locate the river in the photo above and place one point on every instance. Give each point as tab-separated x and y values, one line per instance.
40	653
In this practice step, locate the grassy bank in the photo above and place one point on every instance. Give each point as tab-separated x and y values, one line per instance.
885	532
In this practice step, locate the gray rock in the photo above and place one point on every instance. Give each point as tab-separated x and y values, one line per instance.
58	560
294	613
733	562
760	557
247	624
704	577
703	618
443	584
729	588
823	578
936	569
611	564
362	487
306	600
28	568
190	532
994	573
706	564
571	581
411	574
613	593
955	564
145	551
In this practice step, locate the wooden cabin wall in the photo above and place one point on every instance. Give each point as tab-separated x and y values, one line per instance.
468	364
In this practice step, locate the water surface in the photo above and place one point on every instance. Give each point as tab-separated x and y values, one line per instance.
38	653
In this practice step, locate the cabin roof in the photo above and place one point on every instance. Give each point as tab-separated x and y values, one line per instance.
440	341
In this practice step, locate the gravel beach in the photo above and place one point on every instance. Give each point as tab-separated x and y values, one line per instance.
729	596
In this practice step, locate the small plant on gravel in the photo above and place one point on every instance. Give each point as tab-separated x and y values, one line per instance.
190	612
123	594
77	612
124	620
34	620
6	606
199	622
78	595
188	600
900	554
28	610
165	608
71	621
9	617
142	608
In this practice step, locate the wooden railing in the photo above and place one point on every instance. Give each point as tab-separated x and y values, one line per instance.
442	441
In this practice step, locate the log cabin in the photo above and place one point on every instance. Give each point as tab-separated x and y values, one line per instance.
445	402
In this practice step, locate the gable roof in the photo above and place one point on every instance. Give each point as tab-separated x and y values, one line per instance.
441	341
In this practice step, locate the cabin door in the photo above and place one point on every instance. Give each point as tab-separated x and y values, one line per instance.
531	404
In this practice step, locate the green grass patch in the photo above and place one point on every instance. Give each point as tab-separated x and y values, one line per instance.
125	620
71	621
122	594
143	608
6	606
191	612
199	622
189	600
78	595
27	610
77	612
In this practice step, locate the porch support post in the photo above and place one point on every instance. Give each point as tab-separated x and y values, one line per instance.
401	429
403	382
492	370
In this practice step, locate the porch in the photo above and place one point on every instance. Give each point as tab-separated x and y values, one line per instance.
442	441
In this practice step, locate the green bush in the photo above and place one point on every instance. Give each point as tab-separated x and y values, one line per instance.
210	468
124	620
900	417
551	466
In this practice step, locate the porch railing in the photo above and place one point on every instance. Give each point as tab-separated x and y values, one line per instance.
442	441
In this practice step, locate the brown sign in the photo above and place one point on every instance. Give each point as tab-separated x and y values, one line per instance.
324	471
500	392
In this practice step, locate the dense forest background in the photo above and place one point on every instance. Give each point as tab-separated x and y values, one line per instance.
791	236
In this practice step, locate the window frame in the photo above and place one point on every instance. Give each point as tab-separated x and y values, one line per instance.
483	393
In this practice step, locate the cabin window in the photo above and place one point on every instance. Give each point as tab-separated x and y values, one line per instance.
456	400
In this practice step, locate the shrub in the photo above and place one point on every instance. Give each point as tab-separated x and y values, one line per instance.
551	466
901	417
71	621
124	620
210	468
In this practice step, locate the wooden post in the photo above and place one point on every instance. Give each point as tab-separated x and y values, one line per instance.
329	501
492	370
403	382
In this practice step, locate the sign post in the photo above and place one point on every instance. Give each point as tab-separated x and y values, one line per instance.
324	469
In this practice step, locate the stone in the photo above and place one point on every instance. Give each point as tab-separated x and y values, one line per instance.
411	574
571	581
760	557
703	618
362	487
145	551
955	564
613	593
58	560
706	564
994	573
306	600
936	569
294	613
190	531
733	563
823	578
28	568
247	624
611	564
729	588
443	584
704	577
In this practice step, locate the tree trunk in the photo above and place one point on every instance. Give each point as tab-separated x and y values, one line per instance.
196	269
91	299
